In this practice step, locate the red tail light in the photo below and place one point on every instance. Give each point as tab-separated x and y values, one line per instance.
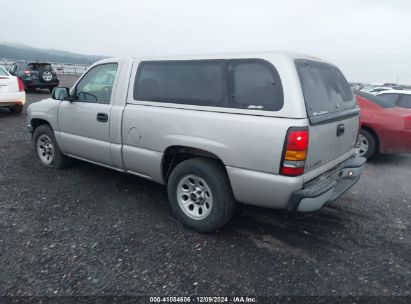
27	72
408	123
295	152
21	85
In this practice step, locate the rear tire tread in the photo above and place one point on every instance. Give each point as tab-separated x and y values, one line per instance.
223	198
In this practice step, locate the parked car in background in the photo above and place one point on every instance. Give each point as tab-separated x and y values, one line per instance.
385	128
367	88
12	95
35	75
275	130
401	98
377	90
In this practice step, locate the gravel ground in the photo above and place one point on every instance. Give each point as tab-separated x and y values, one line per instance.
87	230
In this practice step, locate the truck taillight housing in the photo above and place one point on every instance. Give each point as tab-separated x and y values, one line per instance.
408	123
21	85
295	152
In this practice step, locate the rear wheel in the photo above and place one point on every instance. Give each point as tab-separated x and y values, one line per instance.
200	194
366	144
47	149
17	108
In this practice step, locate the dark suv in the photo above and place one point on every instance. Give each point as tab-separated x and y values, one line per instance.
35	75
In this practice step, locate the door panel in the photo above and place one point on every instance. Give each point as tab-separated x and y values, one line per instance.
81	134
84	123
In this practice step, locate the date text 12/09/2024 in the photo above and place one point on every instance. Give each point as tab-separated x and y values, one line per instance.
234	299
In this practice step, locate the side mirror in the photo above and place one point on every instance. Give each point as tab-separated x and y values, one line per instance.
60	93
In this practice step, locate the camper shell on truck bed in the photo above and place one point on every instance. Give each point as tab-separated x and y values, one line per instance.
272	129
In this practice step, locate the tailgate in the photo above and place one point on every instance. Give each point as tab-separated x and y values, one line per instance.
329	141
332	111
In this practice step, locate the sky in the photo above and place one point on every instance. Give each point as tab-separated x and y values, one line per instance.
369	40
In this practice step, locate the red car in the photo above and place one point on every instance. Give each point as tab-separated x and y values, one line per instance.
385	128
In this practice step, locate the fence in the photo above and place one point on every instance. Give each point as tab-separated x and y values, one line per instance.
60	68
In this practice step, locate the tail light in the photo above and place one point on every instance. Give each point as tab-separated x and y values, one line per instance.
295	152
21	85
408	123
27	72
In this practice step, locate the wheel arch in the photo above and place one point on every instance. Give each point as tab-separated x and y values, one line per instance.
176	154
36	122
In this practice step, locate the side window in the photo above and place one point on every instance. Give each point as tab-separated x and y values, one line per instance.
96	86
33	67
244	84
256	85
405	101
185	82
389	97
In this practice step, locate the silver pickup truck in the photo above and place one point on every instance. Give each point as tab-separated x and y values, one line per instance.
271	129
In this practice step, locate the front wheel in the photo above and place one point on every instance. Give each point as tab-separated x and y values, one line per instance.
200	194
46	148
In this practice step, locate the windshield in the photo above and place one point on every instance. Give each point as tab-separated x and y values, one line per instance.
324	87
375	99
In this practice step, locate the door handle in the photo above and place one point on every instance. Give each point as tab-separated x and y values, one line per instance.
340	129
102	117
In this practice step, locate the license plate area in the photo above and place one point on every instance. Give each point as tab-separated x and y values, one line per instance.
327	179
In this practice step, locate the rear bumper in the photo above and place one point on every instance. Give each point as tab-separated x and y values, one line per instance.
12	98
327	187
36	83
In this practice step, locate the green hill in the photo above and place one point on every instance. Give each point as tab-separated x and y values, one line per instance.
22	52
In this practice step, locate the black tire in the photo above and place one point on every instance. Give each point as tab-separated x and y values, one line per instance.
59	159
371	142
223	202
26	87
17	108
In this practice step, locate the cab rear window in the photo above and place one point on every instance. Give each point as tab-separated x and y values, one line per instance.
324	87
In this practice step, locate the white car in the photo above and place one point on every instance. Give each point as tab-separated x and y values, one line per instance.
378	90
12	95
401	98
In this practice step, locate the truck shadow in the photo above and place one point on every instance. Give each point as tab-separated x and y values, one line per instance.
329	229
282	231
